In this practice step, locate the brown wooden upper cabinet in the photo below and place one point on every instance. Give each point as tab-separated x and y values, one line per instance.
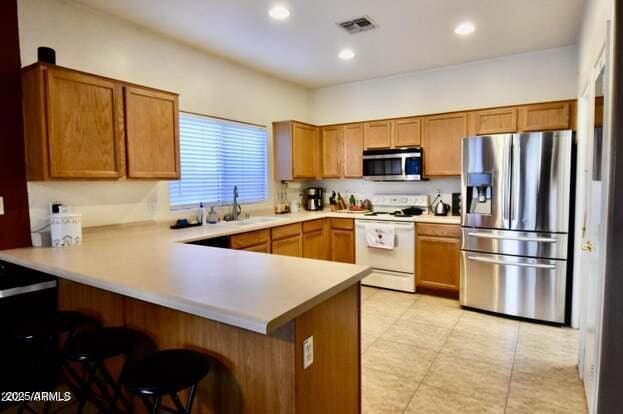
545	116
377	134
493	121
441	140
353	150
407	132
75	125
297	150
152	135
332	144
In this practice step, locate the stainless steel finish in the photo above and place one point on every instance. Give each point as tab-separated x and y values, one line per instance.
545	245
541	181
491	155
314	198
403	161
516	195
27	289
518	286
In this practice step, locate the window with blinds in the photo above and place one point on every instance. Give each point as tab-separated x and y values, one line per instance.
215	156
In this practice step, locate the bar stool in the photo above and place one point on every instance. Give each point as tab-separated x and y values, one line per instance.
91	350
34	362
167	373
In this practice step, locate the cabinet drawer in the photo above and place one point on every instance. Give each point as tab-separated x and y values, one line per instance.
438	230
313	225
259	248
285	231
346	224
252	238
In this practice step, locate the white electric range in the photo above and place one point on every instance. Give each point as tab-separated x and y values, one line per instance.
392	268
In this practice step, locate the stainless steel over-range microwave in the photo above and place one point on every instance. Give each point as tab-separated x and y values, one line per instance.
400	164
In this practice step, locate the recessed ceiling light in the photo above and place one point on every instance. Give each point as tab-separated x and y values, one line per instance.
464	28
346	54
279	12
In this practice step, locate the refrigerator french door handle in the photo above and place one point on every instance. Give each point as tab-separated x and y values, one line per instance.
518	264
513	238
506	193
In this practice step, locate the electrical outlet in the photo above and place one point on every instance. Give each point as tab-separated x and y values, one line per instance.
308	352
1	206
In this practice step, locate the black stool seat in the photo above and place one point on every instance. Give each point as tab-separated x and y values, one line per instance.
167	372
102	344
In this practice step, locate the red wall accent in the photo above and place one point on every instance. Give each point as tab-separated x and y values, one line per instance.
15	223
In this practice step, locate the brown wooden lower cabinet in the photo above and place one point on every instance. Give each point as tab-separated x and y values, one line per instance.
290	246
437	248
315	240
342	240
258	248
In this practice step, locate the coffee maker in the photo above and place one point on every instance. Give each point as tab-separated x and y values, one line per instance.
314	198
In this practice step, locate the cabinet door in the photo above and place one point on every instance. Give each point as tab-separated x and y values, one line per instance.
304	150
543	117
291	246
437	262
353	151
259	248
377	134
442	136
332	151
152	133
342	246
408	132
493	121
85	125
314	245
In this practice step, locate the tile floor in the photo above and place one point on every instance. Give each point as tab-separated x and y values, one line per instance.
423	354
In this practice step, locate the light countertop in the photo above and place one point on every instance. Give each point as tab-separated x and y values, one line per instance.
150	262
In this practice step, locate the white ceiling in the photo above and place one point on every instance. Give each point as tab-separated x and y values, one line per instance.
412	34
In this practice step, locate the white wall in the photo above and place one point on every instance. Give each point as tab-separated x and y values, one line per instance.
529	77
91	41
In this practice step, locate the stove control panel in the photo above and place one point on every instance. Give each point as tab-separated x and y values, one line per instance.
398	201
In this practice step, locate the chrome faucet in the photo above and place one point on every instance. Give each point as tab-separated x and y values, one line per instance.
235	208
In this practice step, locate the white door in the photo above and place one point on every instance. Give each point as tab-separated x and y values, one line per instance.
592	236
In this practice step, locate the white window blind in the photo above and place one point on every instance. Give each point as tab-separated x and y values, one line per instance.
216	155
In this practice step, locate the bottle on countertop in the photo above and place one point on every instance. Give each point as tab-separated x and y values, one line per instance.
212	216
201	214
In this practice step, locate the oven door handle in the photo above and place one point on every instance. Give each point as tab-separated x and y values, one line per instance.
27	289
513	238
504	263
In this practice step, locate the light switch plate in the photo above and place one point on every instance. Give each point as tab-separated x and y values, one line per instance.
1	206
308	352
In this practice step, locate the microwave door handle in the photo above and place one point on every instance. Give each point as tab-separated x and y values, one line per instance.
504	263
513	238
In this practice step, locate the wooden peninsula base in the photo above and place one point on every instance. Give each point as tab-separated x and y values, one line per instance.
253	373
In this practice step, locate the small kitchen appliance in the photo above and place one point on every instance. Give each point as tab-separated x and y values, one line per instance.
400	164
314	198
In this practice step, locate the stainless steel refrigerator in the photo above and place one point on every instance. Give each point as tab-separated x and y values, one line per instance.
515	222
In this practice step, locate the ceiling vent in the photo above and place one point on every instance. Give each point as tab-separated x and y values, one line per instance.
360	24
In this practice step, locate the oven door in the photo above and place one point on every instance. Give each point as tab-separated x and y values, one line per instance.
512	285
398	259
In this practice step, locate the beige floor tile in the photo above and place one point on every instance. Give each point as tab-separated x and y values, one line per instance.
367	291
431	400
408	361
389	303
437	301
482	380
473	345
385	392
534	394
484	324
424	312
417	333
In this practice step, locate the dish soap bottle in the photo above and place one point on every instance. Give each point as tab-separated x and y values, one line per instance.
200	214
212	216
